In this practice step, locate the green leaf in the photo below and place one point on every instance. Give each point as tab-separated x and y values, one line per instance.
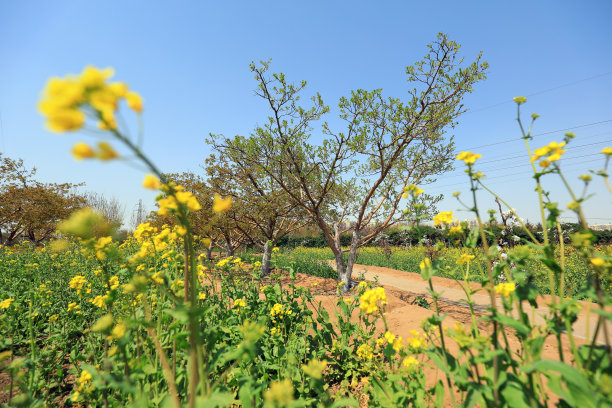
508	321
472	238
217	399
514	393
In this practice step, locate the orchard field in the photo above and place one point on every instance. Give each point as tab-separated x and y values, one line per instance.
89	317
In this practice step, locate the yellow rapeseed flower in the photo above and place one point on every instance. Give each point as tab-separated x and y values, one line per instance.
82	150
134	101
505	289
553	150
425	264
315	368
398	344
187	198
118	331
365	352
390	337
99	301
455	230
469	157
410	362
93	77
280	393
221	204
519	100
106	152
238	303
594	261
464	258
368	302
151	182
445	217
6	303
607	151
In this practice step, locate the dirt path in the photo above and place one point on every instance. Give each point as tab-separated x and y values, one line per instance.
451	292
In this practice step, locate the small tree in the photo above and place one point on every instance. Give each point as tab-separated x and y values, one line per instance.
262	212
359	174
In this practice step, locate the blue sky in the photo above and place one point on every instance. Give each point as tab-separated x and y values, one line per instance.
190	62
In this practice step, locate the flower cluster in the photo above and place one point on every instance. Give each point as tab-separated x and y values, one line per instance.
469	158
83	384
464	259
6	303
368	302
365	352
445	217
412	189
279	312
505	289
553	150
64	99
170	203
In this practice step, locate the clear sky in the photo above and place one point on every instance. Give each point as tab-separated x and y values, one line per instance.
190	59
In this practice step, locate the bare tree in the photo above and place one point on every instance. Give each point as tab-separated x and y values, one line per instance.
112	210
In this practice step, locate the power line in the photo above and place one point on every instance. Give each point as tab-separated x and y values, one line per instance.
519	165
523	155
540	134
506	175
506	157
540	92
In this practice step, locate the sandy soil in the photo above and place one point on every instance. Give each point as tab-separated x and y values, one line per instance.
404	315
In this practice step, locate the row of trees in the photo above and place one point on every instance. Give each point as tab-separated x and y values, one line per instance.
30	209
351	183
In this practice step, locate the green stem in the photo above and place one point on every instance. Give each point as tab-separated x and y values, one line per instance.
526	137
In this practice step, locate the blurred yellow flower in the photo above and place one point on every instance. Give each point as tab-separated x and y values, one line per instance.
220	204
82	150
134	101
410	362
315	368
151	182
553	150
6	303
469	157
519	100
106	152
365	352
279	394
425	264
455	230
505	289
238	303
118	331
445	217
464	258
607	151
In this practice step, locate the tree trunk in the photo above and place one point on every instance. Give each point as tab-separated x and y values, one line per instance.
265	262
348	268
209	253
